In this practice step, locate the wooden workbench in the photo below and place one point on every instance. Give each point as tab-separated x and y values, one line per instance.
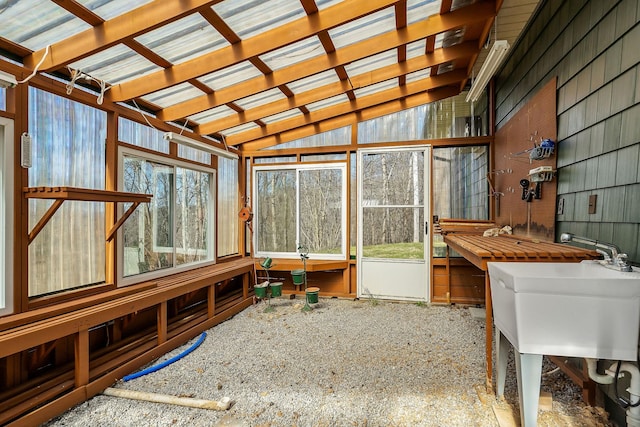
480	250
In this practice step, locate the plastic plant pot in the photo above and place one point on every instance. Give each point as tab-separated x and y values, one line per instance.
276	289
298	277
312	295
261	290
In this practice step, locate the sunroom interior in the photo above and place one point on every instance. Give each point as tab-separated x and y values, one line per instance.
161	158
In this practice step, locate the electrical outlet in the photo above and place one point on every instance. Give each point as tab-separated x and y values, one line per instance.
593	199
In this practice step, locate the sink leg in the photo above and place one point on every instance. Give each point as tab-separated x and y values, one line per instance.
502	353
529	369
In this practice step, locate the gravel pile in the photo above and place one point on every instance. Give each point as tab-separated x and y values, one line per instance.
345	363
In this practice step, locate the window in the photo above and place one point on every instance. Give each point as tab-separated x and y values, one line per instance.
228	206
460	187
302	205
173	230
6	216
68	150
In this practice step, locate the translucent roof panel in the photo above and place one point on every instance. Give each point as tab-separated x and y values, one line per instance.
375	88
231	75
371	63
248	18
418	75
36	24
111	8
184	39
340	136
334	100
115	65
238	129
313	82
323	4
416	48
417	10
173	95
294	53
212	114
364	28
261	98
282	116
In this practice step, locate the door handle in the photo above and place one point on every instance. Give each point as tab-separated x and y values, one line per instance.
426	228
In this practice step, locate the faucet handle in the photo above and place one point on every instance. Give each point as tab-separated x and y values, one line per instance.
621	260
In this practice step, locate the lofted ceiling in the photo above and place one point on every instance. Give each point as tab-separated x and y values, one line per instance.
258	72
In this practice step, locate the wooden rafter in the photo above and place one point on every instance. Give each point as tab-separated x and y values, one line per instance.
252	47
431	26
361	103
351	118
390	71
123	27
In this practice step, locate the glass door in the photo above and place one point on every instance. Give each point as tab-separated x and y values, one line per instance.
392	229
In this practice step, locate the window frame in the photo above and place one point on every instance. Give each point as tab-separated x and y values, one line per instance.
298	167
6	216
211	215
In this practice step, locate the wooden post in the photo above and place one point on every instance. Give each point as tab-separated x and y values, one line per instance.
82	358
162	322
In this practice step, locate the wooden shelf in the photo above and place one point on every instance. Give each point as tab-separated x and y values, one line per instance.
312	265
60	194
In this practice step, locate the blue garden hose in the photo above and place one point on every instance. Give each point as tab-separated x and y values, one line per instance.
168	362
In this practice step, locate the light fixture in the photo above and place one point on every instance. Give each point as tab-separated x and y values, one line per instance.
7	80
185	140
492	62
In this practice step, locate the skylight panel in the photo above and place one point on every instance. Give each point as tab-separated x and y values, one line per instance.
364	28
417	10
371	63
293	53
184	39
260	98
239	129
418	75
35	24
173	95
329	102
115	65
248	18
212	114
416	48
282	116
323	4
230	76
313	82
111	8
375	88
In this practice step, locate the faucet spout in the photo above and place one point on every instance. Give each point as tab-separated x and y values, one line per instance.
617	258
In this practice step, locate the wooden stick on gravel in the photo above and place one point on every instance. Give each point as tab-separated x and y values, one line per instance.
222	405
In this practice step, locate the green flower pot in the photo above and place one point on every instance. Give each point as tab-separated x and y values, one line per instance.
312	295
298	277
261	290
276	289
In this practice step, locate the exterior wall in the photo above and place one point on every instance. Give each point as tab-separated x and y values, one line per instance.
592	47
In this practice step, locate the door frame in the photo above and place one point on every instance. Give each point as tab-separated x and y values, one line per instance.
425	271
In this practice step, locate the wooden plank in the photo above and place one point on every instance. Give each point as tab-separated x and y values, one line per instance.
44	220
84	194
82	358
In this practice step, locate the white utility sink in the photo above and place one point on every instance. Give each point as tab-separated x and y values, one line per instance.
567	309
561	309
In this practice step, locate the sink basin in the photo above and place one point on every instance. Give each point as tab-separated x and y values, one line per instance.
567	309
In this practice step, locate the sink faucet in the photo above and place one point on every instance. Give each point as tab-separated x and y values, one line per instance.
616	259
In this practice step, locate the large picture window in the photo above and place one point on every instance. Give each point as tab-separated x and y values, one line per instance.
175	228
6	216
303	205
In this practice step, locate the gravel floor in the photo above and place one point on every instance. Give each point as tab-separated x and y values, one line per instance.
346	363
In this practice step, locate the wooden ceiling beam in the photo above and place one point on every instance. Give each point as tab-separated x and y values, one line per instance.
126	26
358	104
350	119
263	43
391	40
452	53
